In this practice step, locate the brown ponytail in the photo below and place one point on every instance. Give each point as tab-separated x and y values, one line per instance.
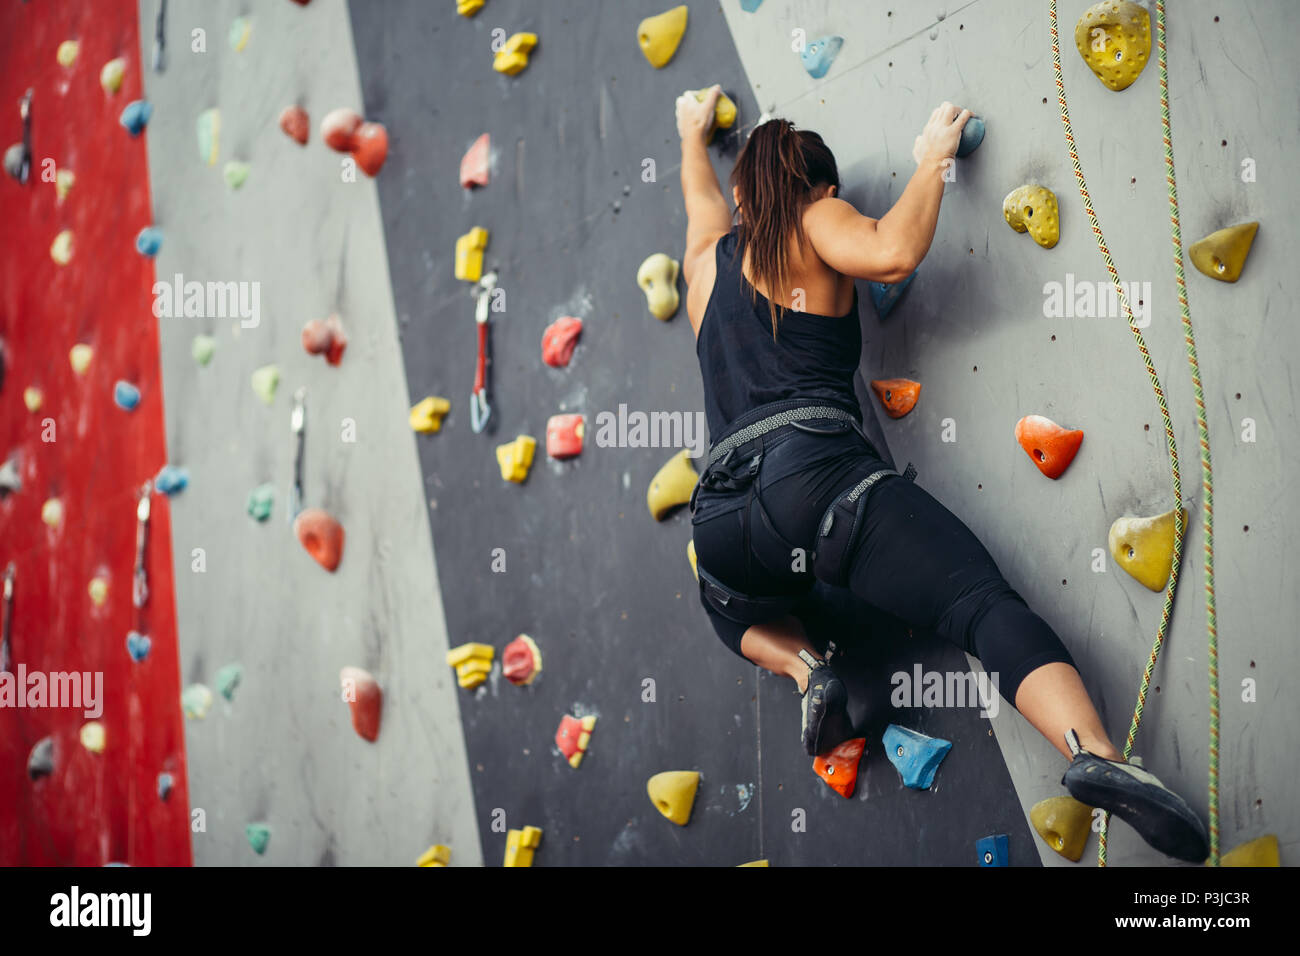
775	176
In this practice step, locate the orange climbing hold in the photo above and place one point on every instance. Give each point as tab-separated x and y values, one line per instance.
1050	446
296	124
365	699
559	340
370	147
839	768
475	165
897	395
573	736
321	535
325	337
339	128
564	436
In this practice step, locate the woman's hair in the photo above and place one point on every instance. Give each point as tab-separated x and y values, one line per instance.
775	176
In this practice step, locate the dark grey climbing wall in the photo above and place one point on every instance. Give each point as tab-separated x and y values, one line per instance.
606	592
972	331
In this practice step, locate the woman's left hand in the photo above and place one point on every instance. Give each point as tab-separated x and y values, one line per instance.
695	119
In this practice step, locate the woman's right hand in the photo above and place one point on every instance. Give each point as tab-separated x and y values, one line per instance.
938	141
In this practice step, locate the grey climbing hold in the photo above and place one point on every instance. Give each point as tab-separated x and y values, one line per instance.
40	762
972	135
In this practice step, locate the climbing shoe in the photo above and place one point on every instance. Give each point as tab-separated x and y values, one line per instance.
826	722
1159	815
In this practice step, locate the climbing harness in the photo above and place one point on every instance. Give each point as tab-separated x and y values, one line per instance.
1202	426
479	409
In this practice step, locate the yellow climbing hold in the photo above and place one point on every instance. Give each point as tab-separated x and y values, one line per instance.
660	36
1222	255
467	8
1261	852
1144	547
79	357
724	111
469	254
657	276
672	485
1033	209
513	56
690	556
110	77
426	415
754	863
472	662
673	794
1064	824
516	457
1114	39
63	183
521	845
436	855
52	512
61	247
67	52
93	736
33	398
98	590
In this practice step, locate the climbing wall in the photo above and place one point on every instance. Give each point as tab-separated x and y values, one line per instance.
69	533
282	752
973	330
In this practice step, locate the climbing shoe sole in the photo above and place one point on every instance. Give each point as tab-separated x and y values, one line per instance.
825	712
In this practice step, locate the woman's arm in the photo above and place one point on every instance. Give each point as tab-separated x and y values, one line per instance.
889	249
708	217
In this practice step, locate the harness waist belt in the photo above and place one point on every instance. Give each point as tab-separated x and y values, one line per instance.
772	423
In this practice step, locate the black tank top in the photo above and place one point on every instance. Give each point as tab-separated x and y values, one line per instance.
813	357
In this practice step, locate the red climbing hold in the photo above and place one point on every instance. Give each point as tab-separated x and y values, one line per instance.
898	395
325	337
339	129
564	436
474	167
559	341
296	124
370	147
1050	446
321	535
839	768
365	699
521	661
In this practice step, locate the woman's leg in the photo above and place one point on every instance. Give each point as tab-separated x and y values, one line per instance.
1053	699
775	646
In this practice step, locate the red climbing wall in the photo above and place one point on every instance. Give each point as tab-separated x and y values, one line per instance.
94	808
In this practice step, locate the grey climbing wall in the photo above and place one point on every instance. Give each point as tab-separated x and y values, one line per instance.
284	752
972	329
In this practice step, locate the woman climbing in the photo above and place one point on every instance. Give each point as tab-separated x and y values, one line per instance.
793	491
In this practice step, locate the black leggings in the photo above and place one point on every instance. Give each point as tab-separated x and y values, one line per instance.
914	559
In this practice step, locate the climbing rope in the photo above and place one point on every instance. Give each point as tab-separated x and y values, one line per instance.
1207	482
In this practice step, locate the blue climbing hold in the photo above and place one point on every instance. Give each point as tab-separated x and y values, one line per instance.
165	784
915	756
136	116
137	645
972	134
148	241
992	850
171	479
126	395
749	6
885	295
819	54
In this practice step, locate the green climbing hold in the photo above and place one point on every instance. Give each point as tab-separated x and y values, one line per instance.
202	349
265	381
196	700
239	33
235	173
260	500
1222	255
208	129
259	835
228	680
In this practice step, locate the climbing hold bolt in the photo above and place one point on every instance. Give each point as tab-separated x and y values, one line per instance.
1144	547
992	850
52	512
93	736
148	241
365	700
559	340
1048	445
437	855
839	768
475	165
202	349
208	130
40	761
516	457
1222	255
672	485
469	254
660	35
1064	824
136	116
259	835
972	134
885	295
521	845
196	701
512	58
321	536
296	124
915	755
260	500
897	395
325	337
472	661
110	77
521	661
138	646
235	173
690	556
61	248
573	736
1260	852
67	52
426	414
819	54
240	30
564	436
1034	209
33	398
227	679
1114	39
673	793
657	276
265	381
171	480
